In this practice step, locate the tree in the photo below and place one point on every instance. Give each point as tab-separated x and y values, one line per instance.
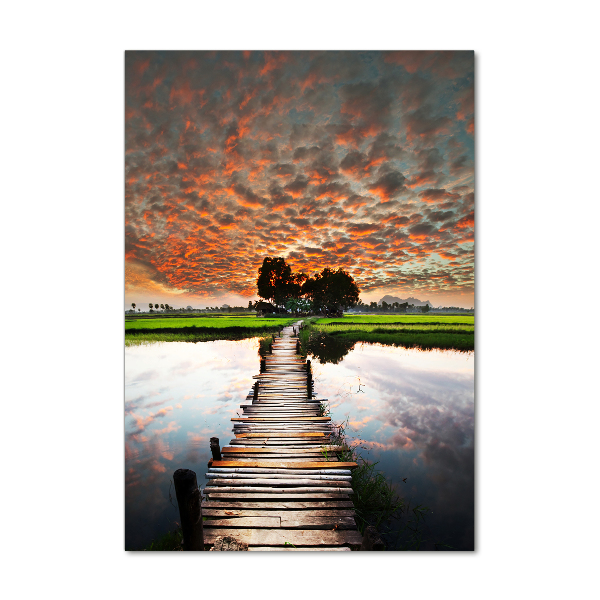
151	306
276	282
133	305
162	306
156	306
331	291
425	308
298	305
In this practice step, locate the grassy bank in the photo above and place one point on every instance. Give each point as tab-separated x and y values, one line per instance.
331	339
151	329
377	503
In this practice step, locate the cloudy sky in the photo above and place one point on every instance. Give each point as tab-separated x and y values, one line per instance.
363	160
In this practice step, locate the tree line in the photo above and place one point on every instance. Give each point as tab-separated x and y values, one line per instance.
329	292
152	307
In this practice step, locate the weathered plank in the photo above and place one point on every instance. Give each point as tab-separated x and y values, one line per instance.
278	476
237	504
293	514
329	448
281	435
279	537
233	521
238	479
327	522
246	465
244	489
301	549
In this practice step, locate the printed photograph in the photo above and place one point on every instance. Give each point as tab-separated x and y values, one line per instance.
299	301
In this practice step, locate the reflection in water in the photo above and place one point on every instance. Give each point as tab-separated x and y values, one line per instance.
327	348
177	396
412	411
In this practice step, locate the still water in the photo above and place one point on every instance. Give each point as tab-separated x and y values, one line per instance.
411	411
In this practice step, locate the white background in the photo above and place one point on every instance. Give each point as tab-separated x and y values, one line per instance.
62	320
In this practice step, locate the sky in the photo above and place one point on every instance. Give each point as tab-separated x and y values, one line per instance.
359	160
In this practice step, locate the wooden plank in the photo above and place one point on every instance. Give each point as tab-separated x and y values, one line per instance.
328	448
281	464
275	480
328	522
279	537
293	514
289	458
243	489
233	521
236	504
274	471
280	435
278	418
301	549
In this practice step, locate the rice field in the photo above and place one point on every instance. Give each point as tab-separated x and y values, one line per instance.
421	331
209	322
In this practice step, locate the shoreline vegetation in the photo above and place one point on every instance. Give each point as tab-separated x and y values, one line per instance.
149	329
323	336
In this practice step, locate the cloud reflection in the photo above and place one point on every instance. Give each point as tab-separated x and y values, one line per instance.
420	423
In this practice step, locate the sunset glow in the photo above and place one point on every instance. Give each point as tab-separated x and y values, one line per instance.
360	160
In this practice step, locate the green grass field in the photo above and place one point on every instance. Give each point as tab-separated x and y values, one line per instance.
161	328
208	322
456	332
388	319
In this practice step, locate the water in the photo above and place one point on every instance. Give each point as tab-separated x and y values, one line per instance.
410	410
413	412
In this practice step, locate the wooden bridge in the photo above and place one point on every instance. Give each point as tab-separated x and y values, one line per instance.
279	485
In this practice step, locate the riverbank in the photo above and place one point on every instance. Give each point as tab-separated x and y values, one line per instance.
160	328
331	339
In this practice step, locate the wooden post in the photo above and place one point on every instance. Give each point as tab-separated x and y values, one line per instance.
371	540
263	365
190	509
273	336
298	347
271	347
215	448
255	398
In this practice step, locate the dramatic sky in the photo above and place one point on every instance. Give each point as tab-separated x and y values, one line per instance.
360	160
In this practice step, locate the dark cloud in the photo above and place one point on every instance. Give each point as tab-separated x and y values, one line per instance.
289	151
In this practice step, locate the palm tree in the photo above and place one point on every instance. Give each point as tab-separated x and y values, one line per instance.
133	305
151	305
156	306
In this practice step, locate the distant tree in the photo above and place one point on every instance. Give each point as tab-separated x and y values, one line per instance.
151	306
249	304
139	309
156	306
331	291
162	306
133	305
276	282
425	308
